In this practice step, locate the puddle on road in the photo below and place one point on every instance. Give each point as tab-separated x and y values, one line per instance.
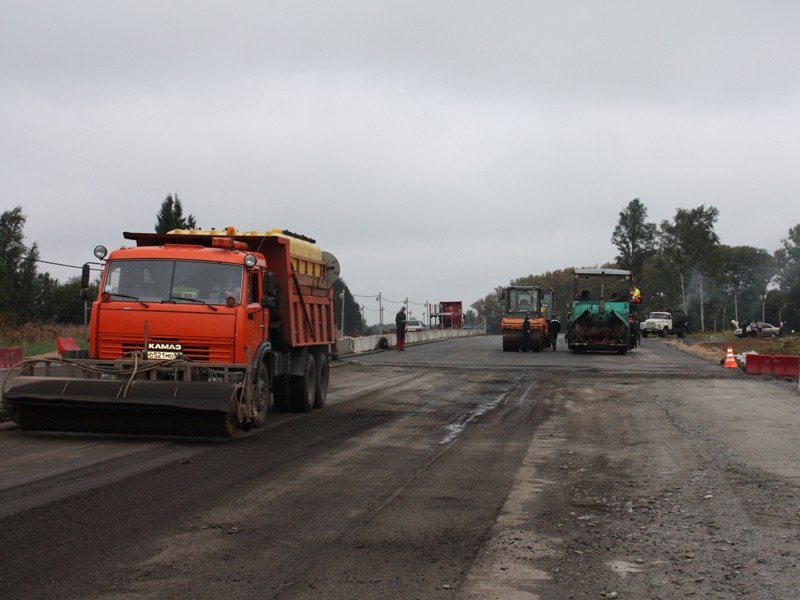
453	430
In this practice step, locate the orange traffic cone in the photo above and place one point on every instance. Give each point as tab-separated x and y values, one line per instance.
730	361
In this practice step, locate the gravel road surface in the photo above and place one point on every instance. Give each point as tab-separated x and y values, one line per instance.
452	470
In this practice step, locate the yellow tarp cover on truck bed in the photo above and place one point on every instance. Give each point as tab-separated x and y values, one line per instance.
305	253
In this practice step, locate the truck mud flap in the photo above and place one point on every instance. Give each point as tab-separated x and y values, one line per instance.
119	406
580	326
618	326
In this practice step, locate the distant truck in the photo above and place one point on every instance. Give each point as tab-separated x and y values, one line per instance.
193	332
664	323
450	314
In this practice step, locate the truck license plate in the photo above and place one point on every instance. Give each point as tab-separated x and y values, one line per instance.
162	351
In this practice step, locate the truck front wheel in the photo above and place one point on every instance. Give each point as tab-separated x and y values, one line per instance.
664	332
261	396
302	388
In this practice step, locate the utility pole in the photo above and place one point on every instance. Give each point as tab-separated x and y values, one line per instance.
342	323
380	309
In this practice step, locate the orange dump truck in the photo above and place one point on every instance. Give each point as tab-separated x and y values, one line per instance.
193	332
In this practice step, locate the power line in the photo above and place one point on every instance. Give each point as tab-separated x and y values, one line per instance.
47	262
387	300
80	268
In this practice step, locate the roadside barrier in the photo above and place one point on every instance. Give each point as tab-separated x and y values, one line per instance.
67	348
10	356
368	343
767	364
786	366
66	343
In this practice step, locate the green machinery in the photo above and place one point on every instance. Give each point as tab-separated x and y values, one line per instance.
601	318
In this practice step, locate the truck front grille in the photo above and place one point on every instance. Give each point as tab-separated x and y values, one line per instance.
195	349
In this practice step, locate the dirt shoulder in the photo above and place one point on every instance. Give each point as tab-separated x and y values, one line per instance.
715	347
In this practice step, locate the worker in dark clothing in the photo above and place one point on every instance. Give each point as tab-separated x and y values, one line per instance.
400	323
744	325
555	327
526	334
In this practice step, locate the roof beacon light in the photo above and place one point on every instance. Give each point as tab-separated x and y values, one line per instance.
228	243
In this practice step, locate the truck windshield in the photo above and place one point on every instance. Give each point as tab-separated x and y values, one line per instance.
173	281
523	301
610	287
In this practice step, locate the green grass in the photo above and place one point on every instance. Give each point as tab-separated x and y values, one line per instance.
38	339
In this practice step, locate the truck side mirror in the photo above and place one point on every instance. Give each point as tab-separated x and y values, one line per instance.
86	273
270	298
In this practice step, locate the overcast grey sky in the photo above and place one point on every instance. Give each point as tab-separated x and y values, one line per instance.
438	149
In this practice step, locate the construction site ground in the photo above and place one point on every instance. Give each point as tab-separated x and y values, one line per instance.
451	470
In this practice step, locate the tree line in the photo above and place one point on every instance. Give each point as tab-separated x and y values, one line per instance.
29	296
681	264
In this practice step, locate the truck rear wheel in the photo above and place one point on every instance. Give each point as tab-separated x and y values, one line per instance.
302	388
280	394
321	388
